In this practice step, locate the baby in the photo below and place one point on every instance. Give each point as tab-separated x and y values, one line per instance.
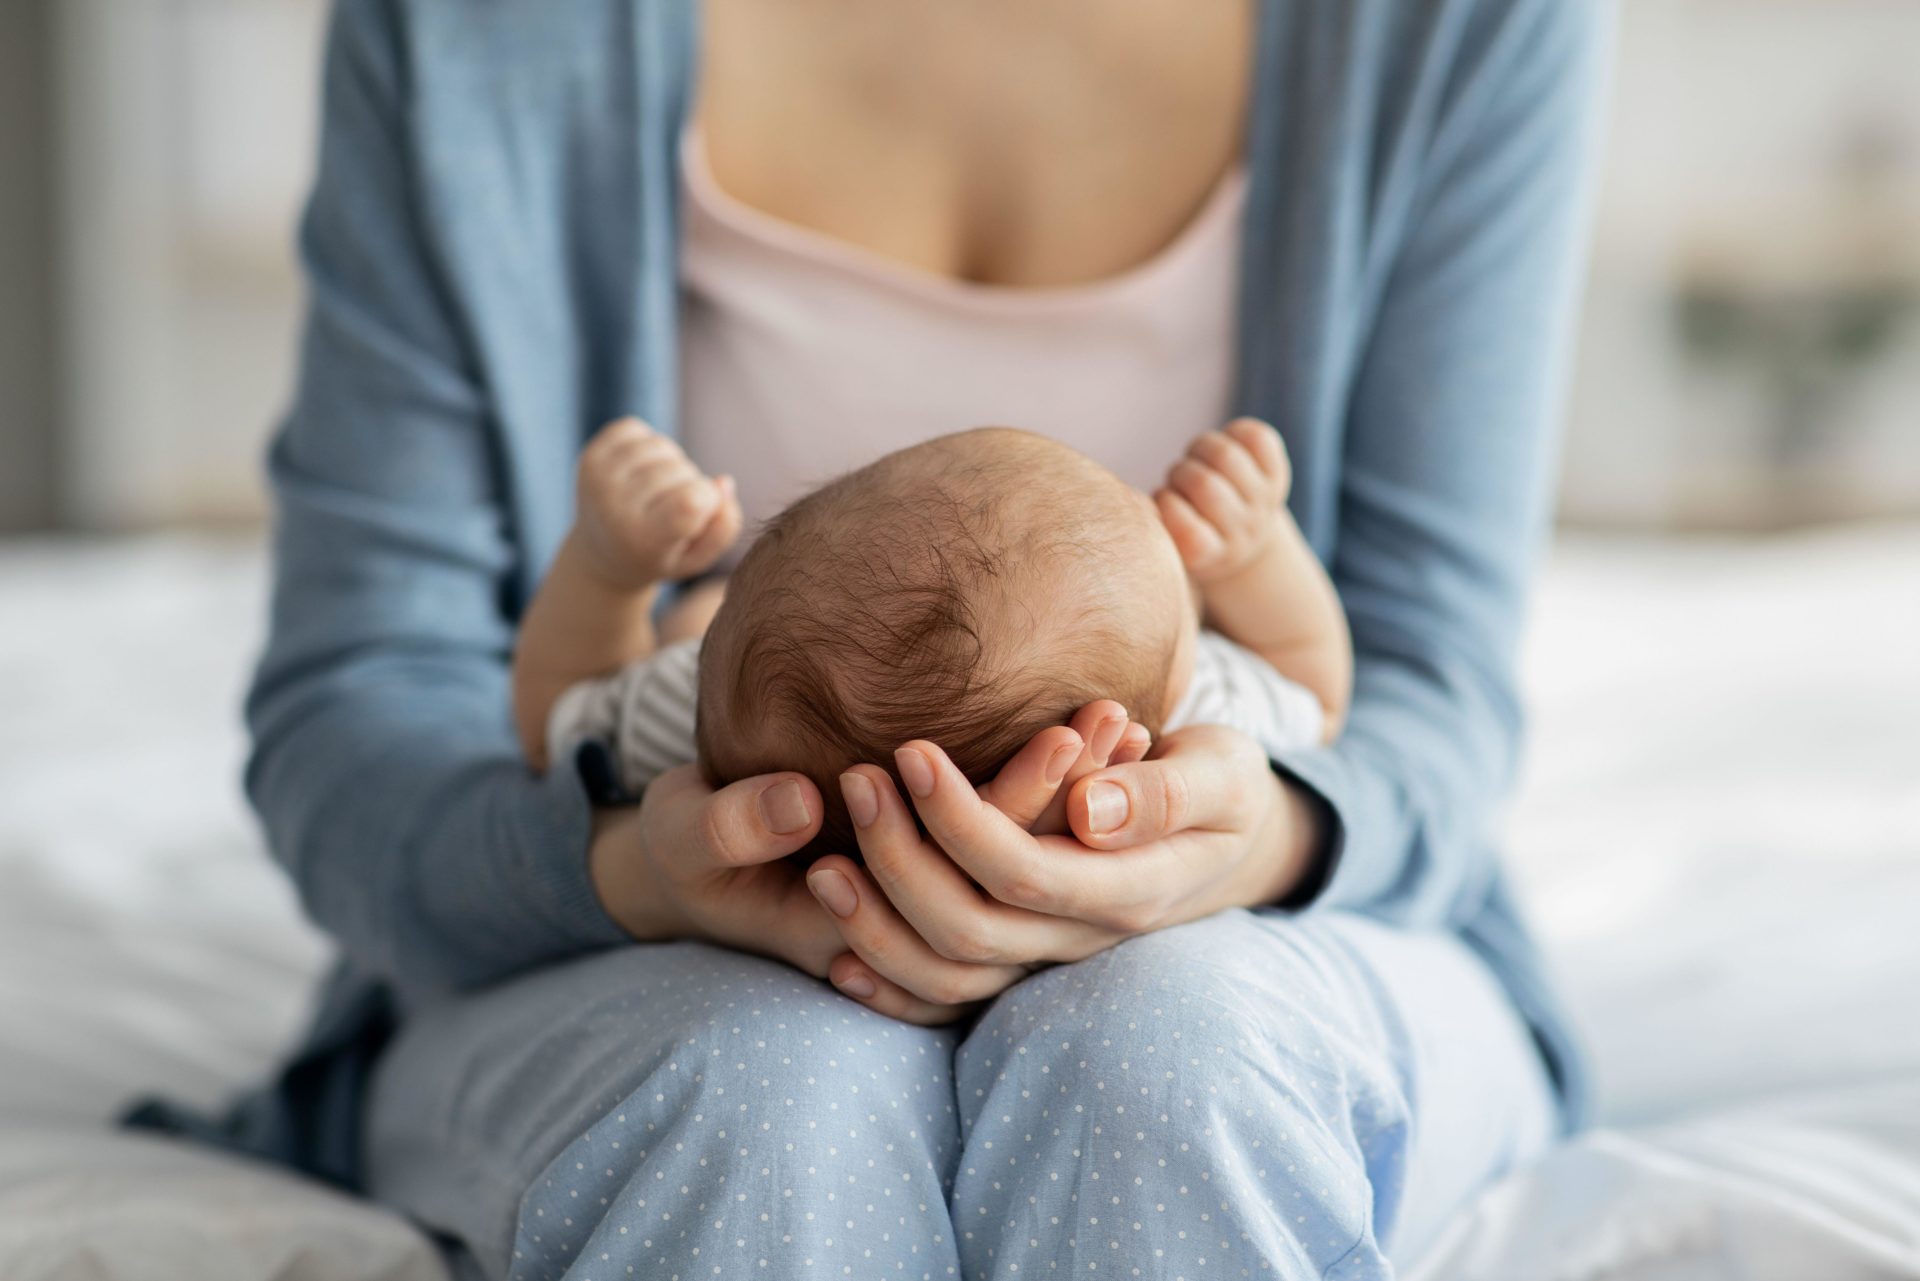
972	590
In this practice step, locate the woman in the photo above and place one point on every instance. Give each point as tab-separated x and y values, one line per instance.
614	1056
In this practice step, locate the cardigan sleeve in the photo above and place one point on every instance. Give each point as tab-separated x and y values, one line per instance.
383	763
1447	472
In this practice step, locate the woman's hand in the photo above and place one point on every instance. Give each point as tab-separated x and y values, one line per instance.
691	862
941	921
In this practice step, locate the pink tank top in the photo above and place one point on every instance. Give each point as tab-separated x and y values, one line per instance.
803	356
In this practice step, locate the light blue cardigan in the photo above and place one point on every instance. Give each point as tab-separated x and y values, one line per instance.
491	248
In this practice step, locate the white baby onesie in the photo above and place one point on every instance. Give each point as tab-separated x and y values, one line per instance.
645	711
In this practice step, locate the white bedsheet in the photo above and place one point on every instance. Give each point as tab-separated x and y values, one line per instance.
1825	1188
1719	825
1719	833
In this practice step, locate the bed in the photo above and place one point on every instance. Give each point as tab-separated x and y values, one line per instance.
1719	833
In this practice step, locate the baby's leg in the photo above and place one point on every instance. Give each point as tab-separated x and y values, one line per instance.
689	617
646	515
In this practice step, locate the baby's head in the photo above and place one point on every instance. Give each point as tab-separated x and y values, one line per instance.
971	591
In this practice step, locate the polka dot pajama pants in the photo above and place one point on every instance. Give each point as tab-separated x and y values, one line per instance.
1252	1095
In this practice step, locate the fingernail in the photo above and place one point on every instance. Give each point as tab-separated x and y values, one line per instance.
916	771
1107	736
784	808
834	891
857	985
1106	807
863	802
1060	762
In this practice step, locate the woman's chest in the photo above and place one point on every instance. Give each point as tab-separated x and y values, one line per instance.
802	357
1012	142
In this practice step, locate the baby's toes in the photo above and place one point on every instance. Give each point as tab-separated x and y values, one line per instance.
620	440
1267	446
1197	540
677	514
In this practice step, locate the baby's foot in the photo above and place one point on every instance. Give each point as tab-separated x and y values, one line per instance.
1225	502
646	513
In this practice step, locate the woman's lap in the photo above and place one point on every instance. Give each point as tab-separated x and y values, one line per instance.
495	1117
1251	1091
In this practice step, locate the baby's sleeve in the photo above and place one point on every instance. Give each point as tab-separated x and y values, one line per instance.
1236	687
644	712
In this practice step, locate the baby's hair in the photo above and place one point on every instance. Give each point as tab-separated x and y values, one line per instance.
919	598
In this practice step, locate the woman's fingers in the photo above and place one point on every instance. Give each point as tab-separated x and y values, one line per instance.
744	824
772	911
856	979
1030	784
1047	875
1198	782
1100	725
879	936
695	863
936	899
922	884
1031	789
1000	855
1134	745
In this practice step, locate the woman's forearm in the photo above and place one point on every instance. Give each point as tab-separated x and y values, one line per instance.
403	813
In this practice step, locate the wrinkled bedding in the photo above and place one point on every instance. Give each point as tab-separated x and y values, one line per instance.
1719	833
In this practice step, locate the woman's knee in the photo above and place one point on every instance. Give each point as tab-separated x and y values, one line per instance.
641	1102
536	1060
1206	1081
775	1116
1191	1007
790	1070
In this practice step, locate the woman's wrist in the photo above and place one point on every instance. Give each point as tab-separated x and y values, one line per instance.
1290	846
621	877
1310	828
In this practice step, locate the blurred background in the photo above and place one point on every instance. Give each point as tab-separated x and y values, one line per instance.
1723	666
1751	357
1717	831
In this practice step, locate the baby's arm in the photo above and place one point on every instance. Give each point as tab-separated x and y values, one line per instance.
645	515
1261	585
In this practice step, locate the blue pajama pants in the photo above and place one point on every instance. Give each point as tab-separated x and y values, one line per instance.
1253	1095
